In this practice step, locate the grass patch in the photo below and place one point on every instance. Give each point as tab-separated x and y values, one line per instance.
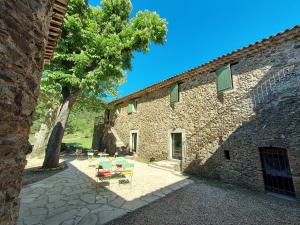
71	143
81	141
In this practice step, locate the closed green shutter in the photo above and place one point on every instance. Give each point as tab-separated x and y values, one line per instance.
174	94
224	79
130	107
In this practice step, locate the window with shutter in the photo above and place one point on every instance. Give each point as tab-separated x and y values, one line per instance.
224	79
174	94
130	107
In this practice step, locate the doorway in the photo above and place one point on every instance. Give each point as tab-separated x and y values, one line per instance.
176	139
133	143
276	171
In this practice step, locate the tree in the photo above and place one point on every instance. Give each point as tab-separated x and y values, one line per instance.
95	48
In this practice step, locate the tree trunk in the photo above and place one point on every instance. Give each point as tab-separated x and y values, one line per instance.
42	136
23	36
54	144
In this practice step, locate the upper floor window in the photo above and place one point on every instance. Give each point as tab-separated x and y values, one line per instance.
132	106
174	94
224	79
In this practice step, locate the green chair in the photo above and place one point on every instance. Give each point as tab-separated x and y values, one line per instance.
106	165
127	169
105	171
120	159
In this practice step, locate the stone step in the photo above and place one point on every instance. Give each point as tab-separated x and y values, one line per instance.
172	166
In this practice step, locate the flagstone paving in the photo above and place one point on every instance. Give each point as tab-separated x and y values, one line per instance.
72	197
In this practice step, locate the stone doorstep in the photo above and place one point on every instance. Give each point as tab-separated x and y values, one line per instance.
168	165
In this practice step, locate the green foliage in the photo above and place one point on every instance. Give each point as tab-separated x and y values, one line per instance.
97	45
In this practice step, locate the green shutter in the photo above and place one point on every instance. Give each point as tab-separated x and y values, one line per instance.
224	79
130	107
174	94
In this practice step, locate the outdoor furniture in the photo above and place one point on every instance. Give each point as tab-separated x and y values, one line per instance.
105	172
127	169
90	157
103	154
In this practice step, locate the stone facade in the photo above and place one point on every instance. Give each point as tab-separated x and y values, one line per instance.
23	36
261	110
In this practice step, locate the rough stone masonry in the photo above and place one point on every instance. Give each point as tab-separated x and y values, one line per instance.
24	29
262	110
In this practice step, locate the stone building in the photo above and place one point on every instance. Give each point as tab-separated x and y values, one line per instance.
236	118
28	35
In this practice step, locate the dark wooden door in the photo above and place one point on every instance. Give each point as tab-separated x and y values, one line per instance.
276	171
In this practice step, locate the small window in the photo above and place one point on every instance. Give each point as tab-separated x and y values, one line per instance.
227	154
135	105
132	106
224	79
174	94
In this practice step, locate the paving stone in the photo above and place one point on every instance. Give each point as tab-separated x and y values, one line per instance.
150	198
89	219
166	190
103	208
133	205
118	202
38	211
106	216
83	212
29	220
71	198
159	194
59	218
88	198
101	199
54	198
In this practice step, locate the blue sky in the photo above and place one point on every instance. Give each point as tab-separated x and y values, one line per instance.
200	31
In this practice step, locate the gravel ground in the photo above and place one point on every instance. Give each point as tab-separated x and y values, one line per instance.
206	202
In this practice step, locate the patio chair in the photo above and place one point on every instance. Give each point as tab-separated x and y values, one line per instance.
127	169
100	160
105	172
120	159
90	157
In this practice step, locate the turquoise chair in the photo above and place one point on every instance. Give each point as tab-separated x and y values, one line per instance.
120	159
106	165
105	171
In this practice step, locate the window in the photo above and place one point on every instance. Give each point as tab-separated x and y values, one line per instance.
227	154
132	106
224	79
174	94
133	141
135	105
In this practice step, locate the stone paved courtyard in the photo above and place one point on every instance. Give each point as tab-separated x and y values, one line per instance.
73	196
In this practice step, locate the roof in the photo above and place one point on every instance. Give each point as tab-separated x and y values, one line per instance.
56	23
210	66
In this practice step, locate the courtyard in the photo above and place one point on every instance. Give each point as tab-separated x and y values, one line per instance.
74	197
154	196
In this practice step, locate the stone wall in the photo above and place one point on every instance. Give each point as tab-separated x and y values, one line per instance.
261	110
24	30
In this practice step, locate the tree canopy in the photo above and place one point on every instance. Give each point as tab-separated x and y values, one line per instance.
97	45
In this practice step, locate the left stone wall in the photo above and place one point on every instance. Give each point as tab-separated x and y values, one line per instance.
23	35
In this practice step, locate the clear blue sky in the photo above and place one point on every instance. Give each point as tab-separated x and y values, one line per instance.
200	31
